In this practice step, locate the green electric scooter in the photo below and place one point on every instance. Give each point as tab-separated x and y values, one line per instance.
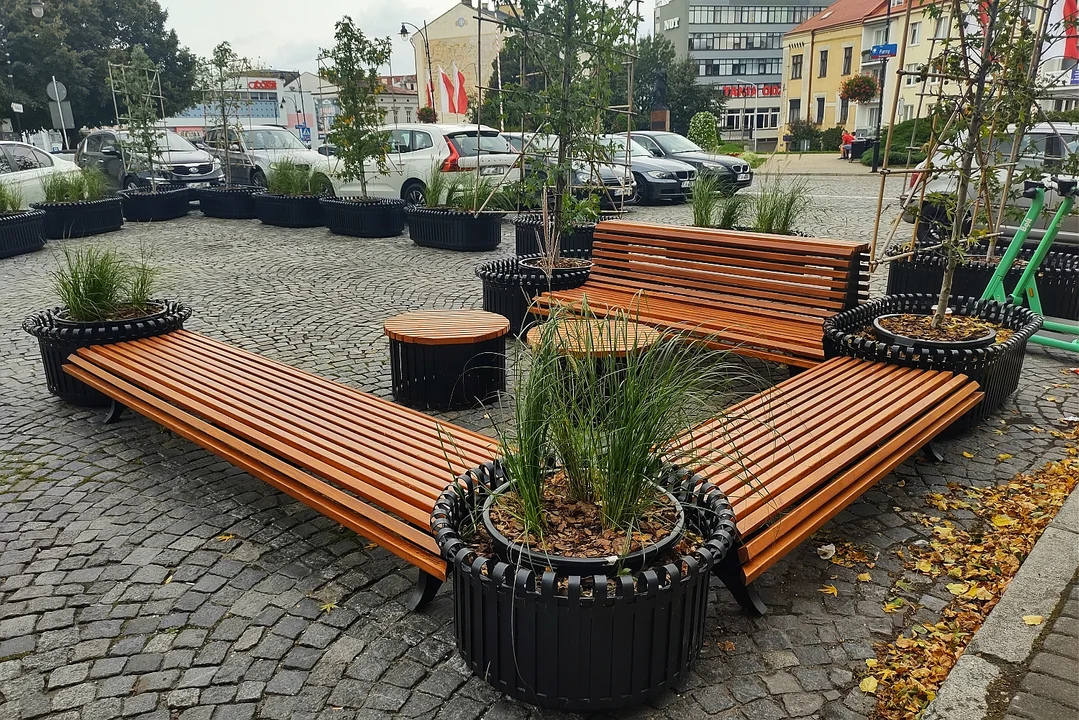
1027	287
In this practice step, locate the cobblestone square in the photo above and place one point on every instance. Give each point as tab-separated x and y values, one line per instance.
142	577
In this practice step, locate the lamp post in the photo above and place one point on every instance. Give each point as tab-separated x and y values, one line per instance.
883	79
756	109
427	53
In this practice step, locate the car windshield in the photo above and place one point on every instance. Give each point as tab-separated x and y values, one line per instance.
618	145
167	142
272	139
488	144
676	143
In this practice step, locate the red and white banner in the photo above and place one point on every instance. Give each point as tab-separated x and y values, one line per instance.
459	95
448	101
1063	32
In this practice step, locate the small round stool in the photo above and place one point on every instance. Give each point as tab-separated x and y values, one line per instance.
446	359
599	338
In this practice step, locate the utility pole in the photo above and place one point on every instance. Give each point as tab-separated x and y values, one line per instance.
883	76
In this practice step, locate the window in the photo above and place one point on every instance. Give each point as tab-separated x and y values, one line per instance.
420	140
108	140
820	111
738	67
794	110
844	111
796	67
880	36
408	114
24	158
649	144
93	143
43	157
735	41
5	166
401	141
909	80
940	30
751	14
822	67
915	34
848	58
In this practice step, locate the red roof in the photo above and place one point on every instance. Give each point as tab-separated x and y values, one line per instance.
900	8
841	12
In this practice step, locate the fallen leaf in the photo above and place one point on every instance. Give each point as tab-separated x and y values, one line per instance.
968	455
870	662
958	588
826	552
865	577
1003	521
868	685
1004	456
168	580
726	646
328	607
226	537
894	605
1033	619
924	566
829	590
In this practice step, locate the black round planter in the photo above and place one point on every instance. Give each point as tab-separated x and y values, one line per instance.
59	338
536	560
367	218
294	211
995	368
509	287
167	203
574	643
21	232
82	219
453	229
574	244
923	272
230	203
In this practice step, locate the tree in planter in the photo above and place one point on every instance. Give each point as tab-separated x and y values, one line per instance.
702	130
218	77
137	88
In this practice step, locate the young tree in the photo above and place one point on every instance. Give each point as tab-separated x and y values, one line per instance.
218	79
136	89
354	62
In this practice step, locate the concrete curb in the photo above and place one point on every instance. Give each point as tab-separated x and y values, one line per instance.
1004	640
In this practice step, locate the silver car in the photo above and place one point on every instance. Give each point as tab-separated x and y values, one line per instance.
251	151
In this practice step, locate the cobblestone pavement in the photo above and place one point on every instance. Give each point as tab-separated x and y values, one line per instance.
142	577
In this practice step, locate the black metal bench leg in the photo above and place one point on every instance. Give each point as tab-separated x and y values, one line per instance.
793	370
746	595
116	410
930	451
426	587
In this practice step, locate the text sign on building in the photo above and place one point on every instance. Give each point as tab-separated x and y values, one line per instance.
744	91
262	84
883	51
671	24
1075	75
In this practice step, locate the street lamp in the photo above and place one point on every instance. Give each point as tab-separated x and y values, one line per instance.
427	52
756	109
37	8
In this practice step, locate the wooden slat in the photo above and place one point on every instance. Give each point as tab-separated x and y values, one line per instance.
446	327
837	248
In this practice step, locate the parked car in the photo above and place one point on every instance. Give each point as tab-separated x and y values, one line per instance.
327	150
732	173
654	179
178	161
612	183
1045	149
251	151
23	167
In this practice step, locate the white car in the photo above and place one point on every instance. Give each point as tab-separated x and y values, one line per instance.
23	167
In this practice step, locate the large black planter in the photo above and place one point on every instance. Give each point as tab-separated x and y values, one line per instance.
995	368
143	205
453	229
59	338
294	211
82	219
574	244
509	287
21	232
923	272
369	218
230	203
577	643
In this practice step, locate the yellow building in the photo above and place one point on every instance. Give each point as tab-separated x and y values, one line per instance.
818	56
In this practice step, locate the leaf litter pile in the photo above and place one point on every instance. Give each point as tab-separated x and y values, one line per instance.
977	564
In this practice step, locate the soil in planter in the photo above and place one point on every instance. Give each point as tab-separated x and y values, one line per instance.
955	328
124	312
574	528
561	263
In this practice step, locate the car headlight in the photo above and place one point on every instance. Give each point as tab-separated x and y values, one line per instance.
714	166
661	174
580	177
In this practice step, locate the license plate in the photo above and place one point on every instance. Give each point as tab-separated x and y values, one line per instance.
491	170
198	185
685	184
743	176
620	192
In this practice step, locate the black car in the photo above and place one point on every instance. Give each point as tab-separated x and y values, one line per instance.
655	179
178	162
733	173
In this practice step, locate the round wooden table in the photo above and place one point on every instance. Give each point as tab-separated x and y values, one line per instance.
447	358
598	338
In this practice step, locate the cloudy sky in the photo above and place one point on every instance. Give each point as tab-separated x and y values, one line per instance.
286	34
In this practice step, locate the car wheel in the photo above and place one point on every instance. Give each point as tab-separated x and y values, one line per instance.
412	192
640	191
258	178
324	186
131	183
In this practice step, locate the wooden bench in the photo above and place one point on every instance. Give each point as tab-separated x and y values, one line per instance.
365	462
760	295
792	457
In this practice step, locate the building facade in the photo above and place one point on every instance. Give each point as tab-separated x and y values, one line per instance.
737	44
398	101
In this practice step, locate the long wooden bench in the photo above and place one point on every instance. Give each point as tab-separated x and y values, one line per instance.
760	295
371	465
790	458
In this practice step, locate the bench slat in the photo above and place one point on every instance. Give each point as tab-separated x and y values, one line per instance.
745	240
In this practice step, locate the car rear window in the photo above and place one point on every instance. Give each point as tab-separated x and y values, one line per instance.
489	143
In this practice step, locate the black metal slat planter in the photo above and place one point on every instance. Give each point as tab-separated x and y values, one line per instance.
82	219
366	218
59	338
995	368
576	244
143	205
293	211
578	643
1058	277
21	232
509	287
454	229
444	377
230	203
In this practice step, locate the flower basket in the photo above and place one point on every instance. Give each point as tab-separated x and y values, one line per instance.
859	88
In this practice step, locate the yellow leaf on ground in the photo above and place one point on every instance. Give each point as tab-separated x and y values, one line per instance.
957	588
968	455
1003	521
865	577
726	646
868	685
923	566
829	590
1004	456
1033	619
870	662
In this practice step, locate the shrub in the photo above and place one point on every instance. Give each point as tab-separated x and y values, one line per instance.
288	178
702	130
732	212
832	138
96	283
427	115
896	158
801	131
705	200
10	199
859	88
729	148
779	205
88	184
909	133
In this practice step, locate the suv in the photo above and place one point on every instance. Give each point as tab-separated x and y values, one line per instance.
613	184
1045	149
251	151
178	162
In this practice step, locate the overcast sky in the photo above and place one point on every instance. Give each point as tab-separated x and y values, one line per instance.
286	34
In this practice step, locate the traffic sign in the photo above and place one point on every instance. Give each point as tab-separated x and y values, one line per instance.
56	91
883	51
16	107
305	133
